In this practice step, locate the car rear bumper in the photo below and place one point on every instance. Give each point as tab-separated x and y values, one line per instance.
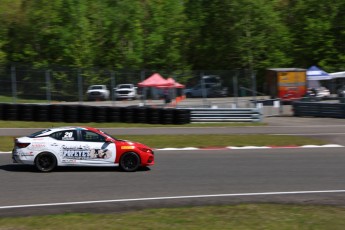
22	159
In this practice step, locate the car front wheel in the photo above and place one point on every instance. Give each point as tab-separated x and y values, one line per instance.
45	162
130	162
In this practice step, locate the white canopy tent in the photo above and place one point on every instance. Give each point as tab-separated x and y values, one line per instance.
337	75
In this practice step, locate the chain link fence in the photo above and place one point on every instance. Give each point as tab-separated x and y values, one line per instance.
211	88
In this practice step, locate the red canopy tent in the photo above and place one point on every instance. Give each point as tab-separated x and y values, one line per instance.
173	84
156	80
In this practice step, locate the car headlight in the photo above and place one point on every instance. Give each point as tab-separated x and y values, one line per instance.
146	150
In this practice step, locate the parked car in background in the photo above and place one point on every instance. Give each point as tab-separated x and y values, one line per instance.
322	92
97	92
209	90
341	91
208	86
318	93
126	91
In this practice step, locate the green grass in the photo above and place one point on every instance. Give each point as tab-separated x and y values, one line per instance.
218	140
239	217
5	99
179	141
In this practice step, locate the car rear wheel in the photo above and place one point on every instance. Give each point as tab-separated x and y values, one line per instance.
130	162
45	162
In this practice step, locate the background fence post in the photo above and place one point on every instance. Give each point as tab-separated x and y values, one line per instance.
203	90
47	74
143	96
14	83
235	87
254	84
113	84
80	86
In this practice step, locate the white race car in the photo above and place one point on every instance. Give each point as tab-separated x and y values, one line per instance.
79	146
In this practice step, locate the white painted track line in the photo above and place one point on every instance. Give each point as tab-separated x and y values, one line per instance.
173	197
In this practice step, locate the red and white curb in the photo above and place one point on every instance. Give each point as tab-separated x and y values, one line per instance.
253	147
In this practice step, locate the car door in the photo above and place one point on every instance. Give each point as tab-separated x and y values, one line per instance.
83	147
100	152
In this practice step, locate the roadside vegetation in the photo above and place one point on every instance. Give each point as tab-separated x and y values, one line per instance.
244	216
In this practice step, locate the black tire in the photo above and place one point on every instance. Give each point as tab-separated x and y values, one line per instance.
56	113
45	162
129	162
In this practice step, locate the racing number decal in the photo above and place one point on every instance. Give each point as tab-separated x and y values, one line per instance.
68	136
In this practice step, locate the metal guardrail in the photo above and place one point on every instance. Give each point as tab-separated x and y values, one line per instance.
225	115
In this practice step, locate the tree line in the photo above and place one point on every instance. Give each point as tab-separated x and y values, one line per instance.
173	34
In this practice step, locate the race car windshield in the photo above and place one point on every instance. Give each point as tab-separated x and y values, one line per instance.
124	87
109	135
39	133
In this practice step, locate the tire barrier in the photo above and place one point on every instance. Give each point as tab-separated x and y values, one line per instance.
154	115
182	116
319	109
114	114
127	114
10	112
56	113
167	116
100	114
141	115
87	114
26	112
1	111
41	112
71	113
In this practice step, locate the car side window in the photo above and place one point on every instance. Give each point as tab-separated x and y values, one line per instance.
87	135
66	135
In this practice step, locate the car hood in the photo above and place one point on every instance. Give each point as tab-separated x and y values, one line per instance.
127	89
126	143
96	90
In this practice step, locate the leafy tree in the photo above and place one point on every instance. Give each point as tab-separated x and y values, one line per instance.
239	34
318	32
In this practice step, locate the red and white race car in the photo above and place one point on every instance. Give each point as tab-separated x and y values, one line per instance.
79	146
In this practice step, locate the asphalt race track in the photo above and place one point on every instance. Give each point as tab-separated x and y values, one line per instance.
180	178
178	174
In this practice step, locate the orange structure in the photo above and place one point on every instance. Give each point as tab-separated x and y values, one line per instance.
288	84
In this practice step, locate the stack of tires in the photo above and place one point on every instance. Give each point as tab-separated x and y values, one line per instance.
167	116
1	111
154	115
114	114
10	112
56	113
26	112
100	114
71	113
141	115
86	114
127	114
41	112
182	116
